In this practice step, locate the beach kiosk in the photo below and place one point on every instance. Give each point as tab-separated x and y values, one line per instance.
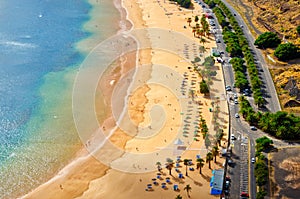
179	147
216	182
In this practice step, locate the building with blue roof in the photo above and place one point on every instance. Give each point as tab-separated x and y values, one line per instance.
216	182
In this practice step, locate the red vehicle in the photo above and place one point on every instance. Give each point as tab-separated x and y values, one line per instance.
244	194
228	178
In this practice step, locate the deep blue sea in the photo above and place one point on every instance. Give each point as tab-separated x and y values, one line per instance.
38	62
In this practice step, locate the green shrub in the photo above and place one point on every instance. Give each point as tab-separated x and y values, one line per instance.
298	29
287	51
267	40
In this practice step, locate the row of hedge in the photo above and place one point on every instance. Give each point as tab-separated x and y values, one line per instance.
280	124
260	168
237	46
241	80
261	175
256	83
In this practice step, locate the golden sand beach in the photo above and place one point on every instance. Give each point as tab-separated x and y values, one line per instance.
159	111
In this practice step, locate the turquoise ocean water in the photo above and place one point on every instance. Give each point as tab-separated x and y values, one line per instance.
38	64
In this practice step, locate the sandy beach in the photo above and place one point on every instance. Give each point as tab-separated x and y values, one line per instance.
160	110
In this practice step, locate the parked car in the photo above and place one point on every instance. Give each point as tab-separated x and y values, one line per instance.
218	40
228	88
220	60
253	128
236	115
244	194
252	160
227	183
246	94
236	101
226	192
226	187
232	137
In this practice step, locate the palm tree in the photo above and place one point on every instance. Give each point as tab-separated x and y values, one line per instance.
200	33
188	188
170	165
158	164
189	20
215	152
186	163
219	135
200	164
178	197
202	49
203	20
207	32
202	40
194	30
209	157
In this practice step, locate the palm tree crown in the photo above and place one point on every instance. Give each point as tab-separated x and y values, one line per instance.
200	164
169	165
215	152
209	157
186	163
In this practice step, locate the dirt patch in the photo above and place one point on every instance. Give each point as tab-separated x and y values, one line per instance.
285	173
277	16
281	76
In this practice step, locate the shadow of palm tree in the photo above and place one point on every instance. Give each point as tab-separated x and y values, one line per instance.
219	163
207	178
198	183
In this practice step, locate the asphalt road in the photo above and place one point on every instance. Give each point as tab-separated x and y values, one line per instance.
269	90
242	173
243	148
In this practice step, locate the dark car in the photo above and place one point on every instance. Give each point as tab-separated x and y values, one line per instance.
226	192
230	163
227	183
228	88
253	128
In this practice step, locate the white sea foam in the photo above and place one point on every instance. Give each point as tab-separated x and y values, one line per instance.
17	44
26	37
